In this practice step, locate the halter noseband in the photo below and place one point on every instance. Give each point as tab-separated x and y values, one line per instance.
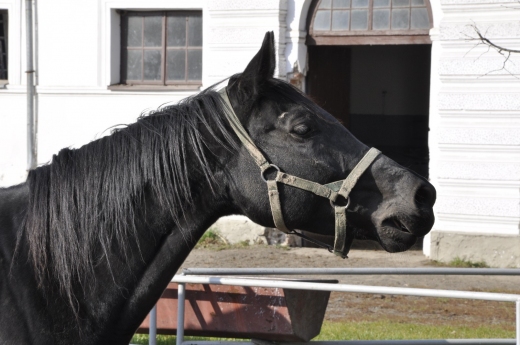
343	240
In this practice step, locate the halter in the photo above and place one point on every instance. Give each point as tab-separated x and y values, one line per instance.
343	240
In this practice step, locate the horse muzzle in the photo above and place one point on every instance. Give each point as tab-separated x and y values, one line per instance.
402	221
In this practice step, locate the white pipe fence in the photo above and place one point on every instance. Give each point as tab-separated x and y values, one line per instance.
352	271
196	278
488	296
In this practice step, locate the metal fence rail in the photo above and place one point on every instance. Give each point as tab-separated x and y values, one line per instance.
488	296
368	342
352	271
200	276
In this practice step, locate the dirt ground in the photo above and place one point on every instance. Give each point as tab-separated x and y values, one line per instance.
365	307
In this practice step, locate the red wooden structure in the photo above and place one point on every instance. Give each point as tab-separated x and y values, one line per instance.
243	312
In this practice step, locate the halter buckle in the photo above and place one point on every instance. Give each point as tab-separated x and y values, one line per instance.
268	167
334	205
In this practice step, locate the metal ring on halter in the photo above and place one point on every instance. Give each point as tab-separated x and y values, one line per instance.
269	167
333	205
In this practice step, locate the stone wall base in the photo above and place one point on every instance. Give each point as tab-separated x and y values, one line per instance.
494	250
236	229
240	229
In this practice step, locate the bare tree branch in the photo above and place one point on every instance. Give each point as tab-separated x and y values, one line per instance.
483	40
488	42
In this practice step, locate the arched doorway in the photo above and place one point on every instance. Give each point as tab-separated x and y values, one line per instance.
369	65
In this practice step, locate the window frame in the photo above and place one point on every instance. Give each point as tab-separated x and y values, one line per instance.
370	36
164	83
5	24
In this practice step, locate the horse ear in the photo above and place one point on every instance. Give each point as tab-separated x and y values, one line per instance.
259	69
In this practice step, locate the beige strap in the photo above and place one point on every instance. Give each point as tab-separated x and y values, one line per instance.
242	133
358	170
261	161
276	206
341	231
307	185
342	241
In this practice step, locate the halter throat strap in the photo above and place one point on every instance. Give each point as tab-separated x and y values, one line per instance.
343	239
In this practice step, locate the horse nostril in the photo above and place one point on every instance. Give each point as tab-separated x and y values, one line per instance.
425	196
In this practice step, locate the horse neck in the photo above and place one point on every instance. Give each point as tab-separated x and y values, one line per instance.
127	283
170	253
122	298
164	253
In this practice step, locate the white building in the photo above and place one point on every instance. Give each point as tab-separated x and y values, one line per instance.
396	67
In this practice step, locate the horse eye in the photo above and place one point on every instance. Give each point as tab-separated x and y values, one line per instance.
301	129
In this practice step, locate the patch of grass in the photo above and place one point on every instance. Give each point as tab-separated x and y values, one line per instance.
161	339
211	238
142	339
279	246
461	263
458	262
396	331
378	330
242	244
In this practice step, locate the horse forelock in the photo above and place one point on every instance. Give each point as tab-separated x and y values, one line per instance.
86	199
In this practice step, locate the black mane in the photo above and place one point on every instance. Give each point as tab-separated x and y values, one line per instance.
86	199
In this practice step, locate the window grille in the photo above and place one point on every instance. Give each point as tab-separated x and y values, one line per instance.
162	48
370	21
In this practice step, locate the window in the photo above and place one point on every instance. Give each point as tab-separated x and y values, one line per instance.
161	48
3	45
372	21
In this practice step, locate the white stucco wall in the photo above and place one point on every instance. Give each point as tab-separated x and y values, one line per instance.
78	58
475	121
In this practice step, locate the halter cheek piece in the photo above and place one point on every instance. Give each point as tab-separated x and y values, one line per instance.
331	191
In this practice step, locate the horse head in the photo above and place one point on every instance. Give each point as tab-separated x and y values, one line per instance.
389	203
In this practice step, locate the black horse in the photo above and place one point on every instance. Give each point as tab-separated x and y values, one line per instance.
90	241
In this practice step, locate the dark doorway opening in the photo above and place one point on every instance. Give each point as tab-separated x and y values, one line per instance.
380	93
